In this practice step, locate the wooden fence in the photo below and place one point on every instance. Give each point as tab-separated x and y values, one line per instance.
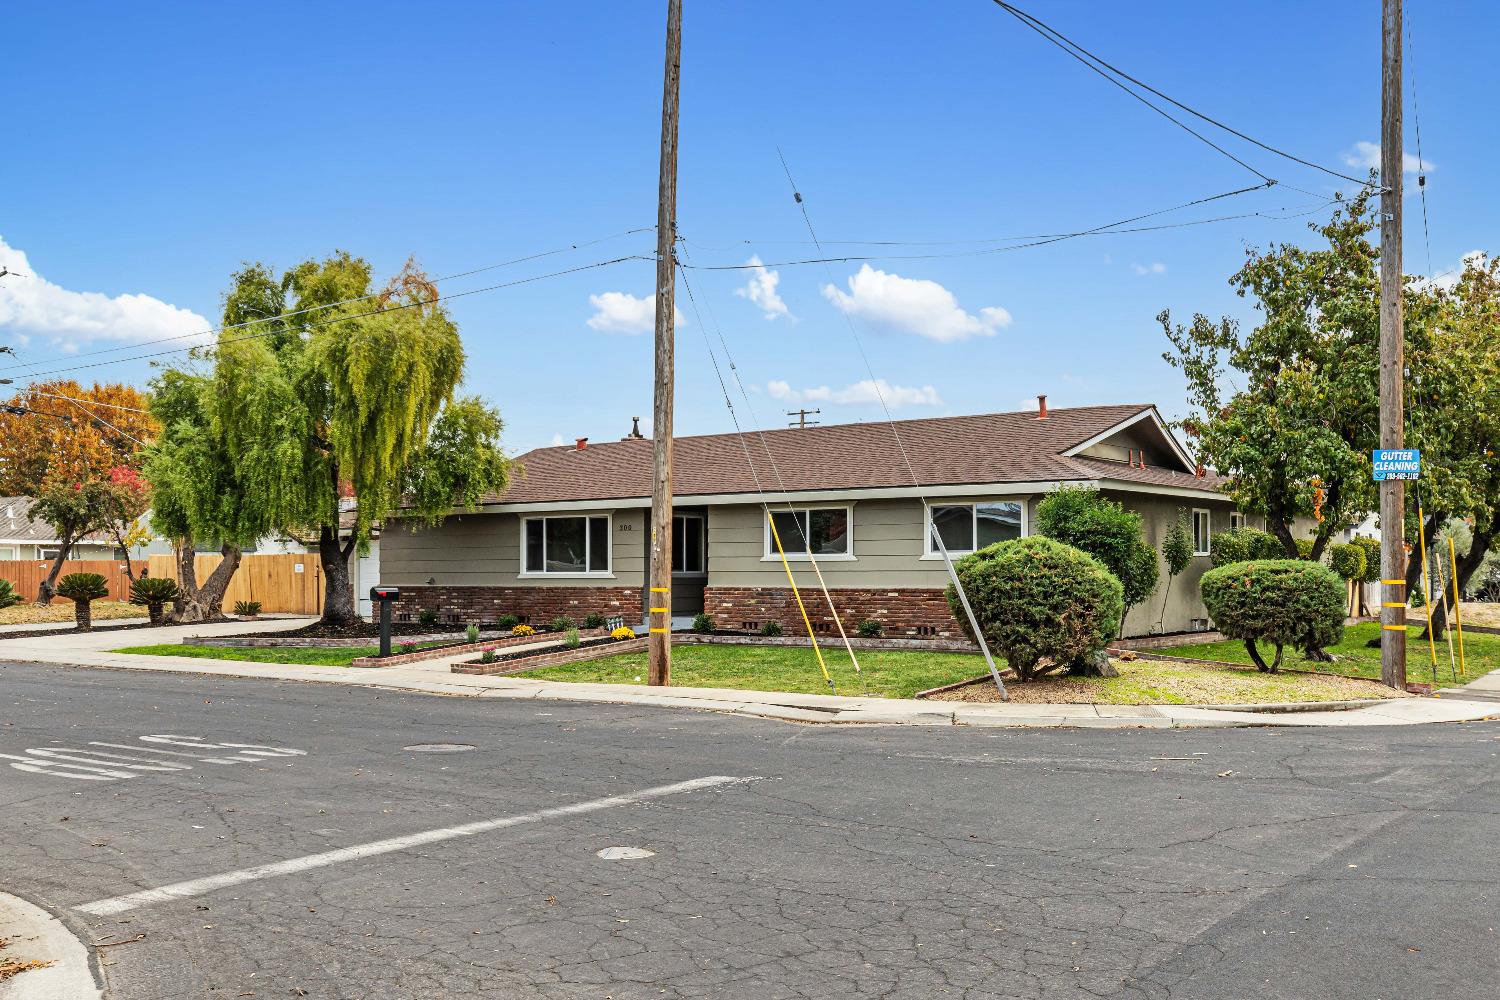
26	575
290	584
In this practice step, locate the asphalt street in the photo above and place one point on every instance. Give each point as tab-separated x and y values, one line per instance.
249	838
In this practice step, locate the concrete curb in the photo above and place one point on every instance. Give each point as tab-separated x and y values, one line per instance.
37	935
435	678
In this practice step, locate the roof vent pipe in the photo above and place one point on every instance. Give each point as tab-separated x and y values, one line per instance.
1041	407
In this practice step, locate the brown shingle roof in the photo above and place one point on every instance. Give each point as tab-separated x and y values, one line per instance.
15	526
986	448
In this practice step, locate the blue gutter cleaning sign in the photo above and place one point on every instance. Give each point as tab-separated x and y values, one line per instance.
1396	463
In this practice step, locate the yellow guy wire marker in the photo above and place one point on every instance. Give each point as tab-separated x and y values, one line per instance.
798	595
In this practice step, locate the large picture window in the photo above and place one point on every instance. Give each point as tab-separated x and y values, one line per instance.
968	527
569	546
819	531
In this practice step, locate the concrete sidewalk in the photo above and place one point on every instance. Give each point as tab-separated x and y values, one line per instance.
434	677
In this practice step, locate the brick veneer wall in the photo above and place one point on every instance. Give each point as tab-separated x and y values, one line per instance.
537	604
903	612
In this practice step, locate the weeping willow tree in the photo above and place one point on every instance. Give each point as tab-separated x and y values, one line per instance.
336	400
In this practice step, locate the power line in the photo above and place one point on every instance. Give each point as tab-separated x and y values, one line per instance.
345	319
1416	114
1108	229
342	302
1089	59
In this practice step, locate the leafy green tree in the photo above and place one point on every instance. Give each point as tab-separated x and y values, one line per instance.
1177	551
1088	520
200	492
1240	544
332	393
1304	413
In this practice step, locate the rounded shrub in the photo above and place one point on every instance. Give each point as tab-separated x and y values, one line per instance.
1280	602
1372	559
561	623
593	620
703	622
154	593
1304	548
1241	544
1348	561
870	628
1037	599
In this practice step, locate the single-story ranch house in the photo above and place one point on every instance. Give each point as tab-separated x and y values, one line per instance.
570	535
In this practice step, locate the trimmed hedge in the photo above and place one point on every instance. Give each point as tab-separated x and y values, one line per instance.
1282	602
1037	599
1348	561
1240	544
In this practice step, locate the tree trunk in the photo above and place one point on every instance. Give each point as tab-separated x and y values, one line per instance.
338	590
1166	595
205	603
48	589
129	567
157	613
1255	656
1283	533
1467	567
83	614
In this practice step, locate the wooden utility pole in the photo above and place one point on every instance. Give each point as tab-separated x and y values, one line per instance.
659	596
802	416
1392	356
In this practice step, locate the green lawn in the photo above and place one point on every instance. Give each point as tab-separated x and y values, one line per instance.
1355	659
324	656
781	668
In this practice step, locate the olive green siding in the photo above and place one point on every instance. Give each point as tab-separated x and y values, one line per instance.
485	550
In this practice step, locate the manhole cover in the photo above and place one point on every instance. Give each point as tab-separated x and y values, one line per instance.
440	747
625	853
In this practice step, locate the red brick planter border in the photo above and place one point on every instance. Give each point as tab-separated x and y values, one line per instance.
438	653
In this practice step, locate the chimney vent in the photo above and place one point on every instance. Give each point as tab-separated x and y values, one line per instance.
1041	407
635	430
582	444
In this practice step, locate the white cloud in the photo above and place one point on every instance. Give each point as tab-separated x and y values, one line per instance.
1366	156
914	305
859	393
33	308
1155	267
761	290
621	312
1447	279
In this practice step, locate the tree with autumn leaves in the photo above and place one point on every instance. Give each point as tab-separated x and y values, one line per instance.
75	452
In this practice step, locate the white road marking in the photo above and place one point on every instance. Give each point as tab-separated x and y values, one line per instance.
96	765
201	886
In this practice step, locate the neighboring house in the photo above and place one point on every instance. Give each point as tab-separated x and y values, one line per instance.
570	535
26	540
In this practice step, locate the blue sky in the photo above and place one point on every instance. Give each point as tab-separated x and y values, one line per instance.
154	147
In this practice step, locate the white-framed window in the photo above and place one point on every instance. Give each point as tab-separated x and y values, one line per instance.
689	555
1236	520
565	545
1202	532
9	552
826	532
968	527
